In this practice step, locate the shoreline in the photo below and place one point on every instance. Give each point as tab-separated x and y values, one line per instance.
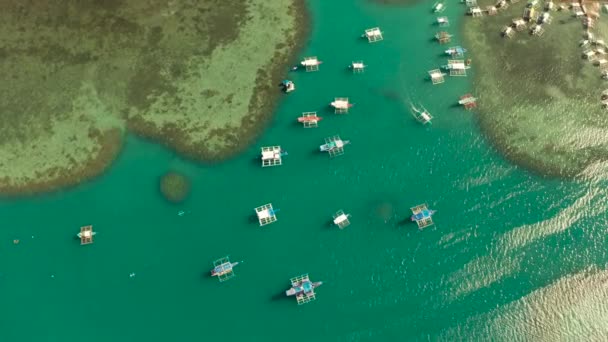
110	94
110	146
264	102
535	106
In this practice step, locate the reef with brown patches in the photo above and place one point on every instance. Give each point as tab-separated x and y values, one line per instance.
83	73
539	98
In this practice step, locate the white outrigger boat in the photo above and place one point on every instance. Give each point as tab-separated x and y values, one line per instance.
422	115
438	7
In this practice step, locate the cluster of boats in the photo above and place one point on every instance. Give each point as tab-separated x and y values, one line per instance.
302	288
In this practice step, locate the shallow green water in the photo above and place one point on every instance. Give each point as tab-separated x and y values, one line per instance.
501	233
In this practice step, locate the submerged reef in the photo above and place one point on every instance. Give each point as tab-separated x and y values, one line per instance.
78	75
174	187
540	100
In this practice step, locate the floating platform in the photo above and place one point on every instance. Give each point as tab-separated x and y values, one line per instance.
475	12
334	146
303	289
341	219
223	269
86	235
507	32
266	214
309	119
272	156
422	216
373	35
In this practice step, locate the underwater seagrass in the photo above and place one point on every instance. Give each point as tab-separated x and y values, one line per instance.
79	74
174	186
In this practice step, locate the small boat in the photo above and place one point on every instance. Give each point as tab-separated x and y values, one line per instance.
303	287
309	118
423	214
341	104
335	144
422	115
311	62
438	7
455	51
223	269
288	86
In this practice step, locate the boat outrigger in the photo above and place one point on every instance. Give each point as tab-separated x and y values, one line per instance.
303	289
422	115
223	269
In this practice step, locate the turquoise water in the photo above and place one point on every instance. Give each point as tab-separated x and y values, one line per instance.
492	267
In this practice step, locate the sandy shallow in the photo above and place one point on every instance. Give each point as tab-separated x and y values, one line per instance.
539	99
187	73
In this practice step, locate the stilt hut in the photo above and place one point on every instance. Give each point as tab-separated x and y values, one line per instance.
491	10
507	32
537	30
311	64
602	63
443	37
519	24
437	76
475	12
502	4
530	14
549	6
589	54
373	35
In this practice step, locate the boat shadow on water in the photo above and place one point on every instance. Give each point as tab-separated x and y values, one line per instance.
280	295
